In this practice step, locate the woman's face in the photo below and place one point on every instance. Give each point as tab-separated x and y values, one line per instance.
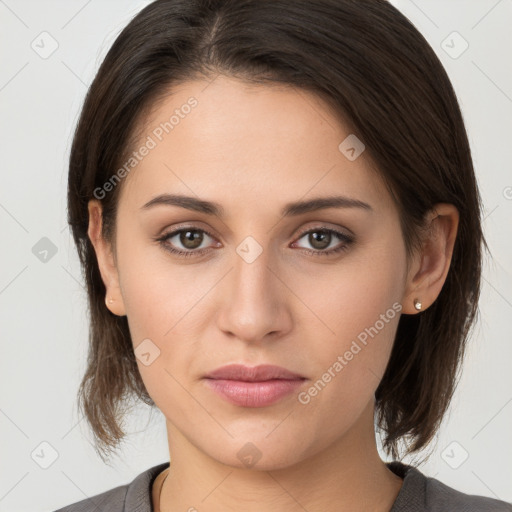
248	292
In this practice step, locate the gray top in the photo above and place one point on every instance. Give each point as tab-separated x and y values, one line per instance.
418	493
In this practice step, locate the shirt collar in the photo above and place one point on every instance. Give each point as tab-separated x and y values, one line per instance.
410	497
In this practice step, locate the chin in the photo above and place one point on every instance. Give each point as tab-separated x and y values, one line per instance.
260	454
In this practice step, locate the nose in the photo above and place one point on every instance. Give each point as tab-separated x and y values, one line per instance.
255	300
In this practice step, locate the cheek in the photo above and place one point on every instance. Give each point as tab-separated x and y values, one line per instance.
345	300
163	301
156	292
356	313
160	302
347	366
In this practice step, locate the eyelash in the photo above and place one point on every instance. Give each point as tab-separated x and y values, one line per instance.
348	240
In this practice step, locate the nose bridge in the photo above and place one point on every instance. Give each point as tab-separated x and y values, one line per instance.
251	275
253	304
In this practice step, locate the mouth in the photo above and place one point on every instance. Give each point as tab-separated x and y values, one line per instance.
259	373
258	386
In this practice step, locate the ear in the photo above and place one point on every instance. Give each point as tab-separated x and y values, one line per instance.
430	266
106	260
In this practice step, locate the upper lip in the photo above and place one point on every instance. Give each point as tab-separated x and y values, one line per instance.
253	374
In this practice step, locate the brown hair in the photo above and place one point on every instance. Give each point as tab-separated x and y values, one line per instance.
377	71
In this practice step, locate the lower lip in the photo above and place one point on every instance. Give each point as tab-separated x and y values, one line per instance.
254	394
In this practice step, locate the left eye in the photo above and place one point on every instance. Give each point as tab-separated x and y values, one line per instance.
191	240
321	239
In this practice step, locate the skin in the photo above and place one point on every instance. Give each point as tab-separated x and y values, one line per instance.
252	149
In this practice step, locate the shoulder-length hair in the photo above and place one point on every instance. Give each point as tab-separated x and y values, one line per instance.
374	69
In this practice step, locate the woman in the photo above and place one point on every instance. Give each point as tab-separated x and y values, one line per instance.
277	216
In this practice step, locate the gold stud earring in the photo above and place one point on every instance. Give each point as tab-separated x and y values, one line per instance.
109	301
417	304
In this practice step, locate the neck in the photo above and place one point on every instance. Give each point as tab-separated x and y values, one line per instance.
347	475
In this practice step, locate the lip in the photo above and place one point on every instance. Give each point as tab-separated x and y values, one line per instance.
257	386
253	373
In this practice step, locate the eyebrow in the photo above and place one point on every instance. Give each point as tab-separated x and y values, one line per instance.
289	209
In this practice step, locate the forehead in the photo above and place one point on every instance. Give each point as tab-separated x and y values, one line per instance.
236	142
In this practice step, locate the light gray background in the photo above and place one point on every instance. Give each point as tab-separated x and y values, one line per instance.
43	308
